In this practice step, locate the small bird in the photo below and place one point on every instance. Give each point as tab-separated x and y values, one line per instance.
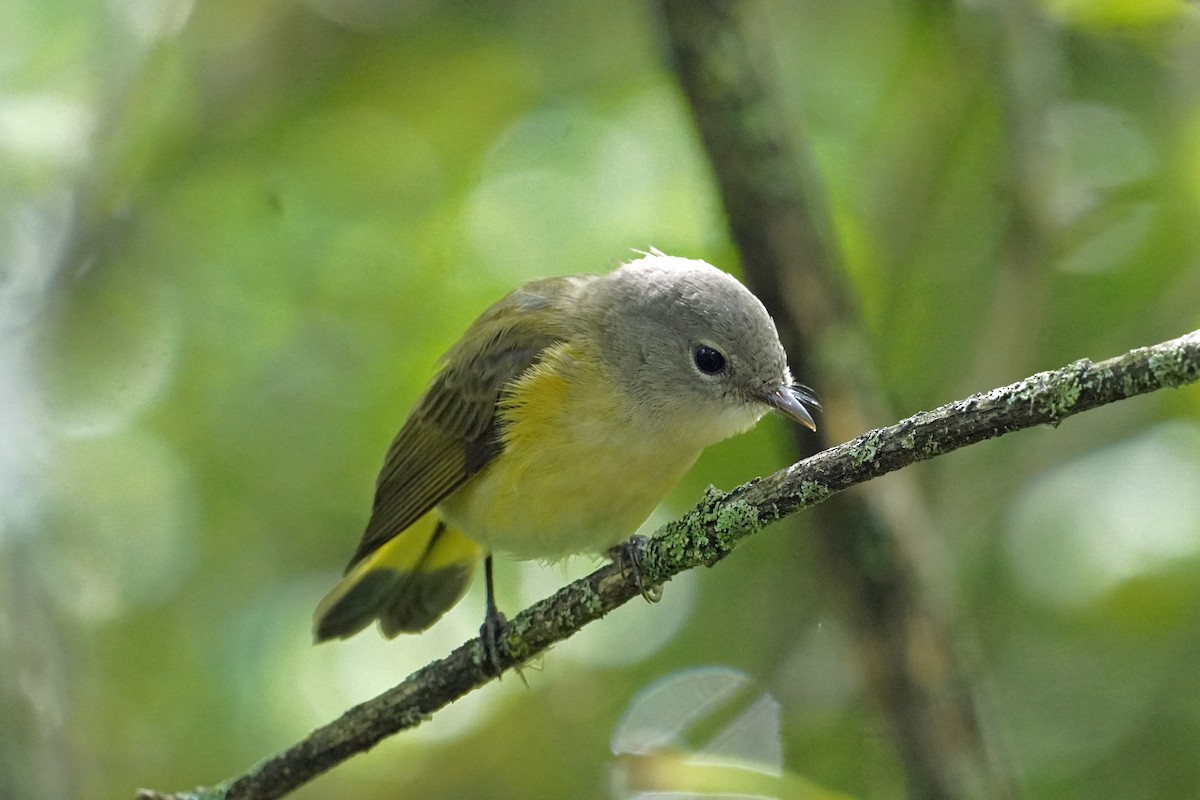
557	423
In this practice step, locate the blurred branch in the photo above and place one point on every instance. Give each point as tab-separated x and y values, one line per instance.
1028	60
875	551
707	534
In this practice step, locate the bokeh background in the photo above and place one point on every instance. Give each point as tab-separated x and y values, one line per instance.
234	238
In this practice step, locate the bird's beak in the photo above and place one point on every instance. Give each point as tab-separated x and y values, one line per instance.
791	399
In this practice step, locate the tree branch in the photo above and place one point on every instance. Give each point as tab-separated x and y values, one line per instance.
707	534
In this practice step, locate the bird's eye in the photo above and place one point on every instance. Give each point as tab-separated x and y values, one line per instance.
708	360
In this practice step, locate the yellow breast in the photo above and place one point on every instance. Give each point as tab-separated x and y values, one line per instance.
576	474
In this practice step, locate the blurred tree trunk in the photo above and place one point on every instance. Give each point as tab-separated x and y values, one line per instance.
876	545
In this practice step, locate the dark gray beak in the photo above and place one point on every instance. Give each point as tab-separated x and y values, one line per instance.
792	400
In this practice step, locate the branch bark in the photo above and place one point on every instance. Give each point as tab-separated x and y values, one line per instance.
708	533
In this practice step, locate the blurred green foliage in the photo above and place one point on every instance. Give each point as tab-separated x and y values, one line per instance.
237	236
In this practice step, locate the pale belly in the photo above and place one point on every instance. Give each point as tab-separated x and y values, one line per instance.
566	497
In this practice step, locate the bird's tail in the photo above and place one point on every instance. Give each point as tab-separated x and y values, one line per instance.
406	584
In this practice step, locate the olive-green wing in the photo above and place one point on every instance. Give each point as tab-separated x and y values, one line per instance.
453	431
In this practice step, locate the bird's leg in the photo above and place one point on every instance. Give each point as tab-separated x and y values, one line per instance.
628	557
493	621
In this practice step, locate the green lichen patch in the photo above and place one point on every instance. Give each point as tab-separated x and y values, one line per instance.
734	520
591	602
1051	394
677	545
1130	385
812	493
1172	368
515	641
865	448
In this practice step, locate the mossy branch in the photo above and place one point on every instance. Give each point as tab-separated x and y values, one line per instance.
707	534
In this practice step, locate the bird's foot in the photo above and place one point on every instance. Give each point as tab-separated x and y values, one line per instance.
628	557
491	633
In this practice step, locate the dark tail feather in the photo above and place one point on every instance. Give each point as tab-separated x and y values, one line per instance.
407	584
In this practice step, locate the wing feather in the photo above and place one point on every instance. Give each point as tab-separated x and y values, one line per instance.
453	431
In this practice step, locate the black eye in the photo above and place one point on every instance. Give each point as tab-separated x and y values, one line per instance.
708	360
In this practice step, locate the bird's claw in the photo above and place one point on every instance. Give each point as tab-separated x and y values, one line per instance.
628	557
